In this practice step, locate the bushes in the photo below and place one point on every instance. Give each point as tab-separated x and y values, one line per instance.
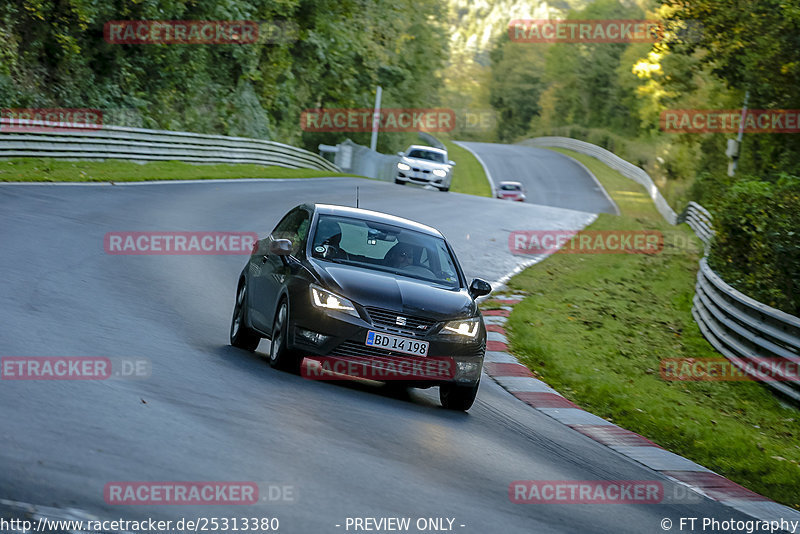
756	248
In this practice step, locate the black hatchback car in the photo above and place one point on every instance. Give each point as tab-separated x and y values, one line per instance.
348	284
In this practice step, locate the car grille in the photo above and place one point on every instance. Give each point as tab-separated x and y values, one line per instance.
417	169
387	319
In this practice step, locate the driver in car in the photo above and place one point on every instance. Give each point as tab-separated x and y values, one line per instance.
399	256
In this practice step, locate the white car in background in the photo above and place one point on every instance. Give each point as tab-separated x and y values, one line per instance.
424	165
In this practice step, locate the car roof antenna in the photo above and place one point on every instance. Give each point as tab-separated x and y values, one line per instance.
356	196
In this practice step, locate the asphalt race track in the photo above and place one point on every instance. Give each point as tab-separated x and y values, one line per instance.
550	178
209	412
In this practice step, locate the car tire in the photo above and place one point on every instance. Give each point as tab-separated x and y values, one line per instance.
399	182
280	357
458	397
241	336
444	189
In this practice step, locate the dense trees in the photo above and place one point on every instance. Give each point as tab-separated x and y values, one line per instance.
327	53
613	94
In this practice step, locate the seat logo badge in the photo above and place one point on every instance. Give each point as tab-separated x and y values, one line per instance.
401	321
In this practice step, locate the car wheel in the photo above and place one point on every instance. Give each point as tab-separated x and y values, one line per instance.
444	189
458	397
241	336
280	357
399	182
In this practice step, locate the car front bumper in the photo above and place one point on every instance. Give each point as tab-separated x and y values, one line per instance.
421	178
319	334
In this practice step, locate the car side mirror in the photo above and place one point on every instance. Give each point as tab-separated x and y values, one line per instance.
451	163
479	288
280	247
401	154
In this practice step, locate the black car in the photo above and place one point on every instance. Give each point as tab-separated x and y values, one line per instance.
355	285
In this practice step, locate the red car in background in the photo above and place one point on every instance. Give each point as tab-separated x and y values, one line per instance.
511	191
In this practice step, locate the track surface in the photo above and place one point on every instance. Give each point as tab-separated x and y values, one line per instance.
550	178
212	412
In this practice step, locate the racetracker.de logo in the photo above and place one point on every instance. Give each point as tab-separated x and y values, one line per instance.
72	368
390	120
585	31
55	368
25	120
179	243
180	493
385	370
585	492
181	32
723	370
585	242
730	120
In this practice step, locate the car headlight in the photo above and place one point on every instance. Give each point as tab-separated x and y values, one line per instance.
466	327
322	298
403	167
440	173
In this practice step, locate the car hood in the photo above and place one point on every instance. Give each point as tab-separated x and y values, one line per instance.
396	293
425	163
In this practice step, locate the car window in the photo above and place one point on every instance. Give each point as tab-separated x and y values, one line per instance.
430	155
384	247
294	227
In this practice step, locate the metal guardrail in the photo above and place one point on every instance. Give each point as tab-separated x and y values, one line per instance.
699	219
750	334
627	169
138	144
362	160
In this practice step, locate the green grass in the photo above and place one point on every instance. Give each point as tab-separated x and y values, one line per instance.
596	326
468	175
55	170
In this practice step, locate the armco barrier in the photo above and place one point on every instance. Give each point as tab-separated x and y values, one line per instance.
699	219
625	168
366	162
745	331
138	144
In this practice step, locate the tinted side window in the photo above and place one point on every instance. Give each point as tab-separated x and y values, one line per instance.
293	227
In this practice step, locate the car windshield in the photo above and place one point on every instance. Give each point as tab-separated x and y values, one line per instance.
384	247
430	155
510	187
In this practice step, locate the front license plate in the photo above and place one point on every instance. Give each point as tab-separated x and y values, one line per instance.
397	343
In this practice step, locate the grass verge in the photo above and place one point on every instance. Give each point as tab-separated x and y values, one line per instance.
468	175
55	170
596	326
